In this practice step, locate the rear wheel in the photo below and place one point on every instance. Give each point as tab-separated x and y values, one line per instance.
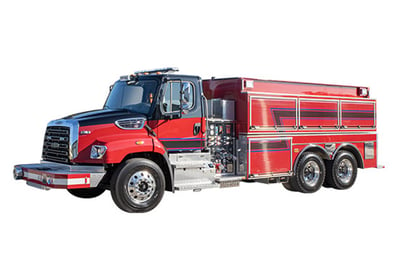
87	192
137	185
342	172
309	176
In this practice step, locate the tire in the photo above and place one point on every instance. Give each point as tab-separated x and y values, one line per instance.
87	192
288	186
342	171
309	175
137	185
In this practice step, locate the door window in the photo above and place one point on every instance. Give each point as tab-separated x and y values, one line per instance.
172	97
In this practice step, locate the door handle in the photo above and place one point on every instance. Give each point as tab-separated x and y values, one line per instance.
196	128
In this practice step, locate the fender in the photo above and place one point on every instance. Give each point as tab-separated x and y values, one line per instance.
353	149
118	149
312	148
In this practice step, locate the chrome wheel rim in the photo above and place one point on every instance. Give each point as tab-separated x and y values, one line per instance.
141	187
311	173
345	171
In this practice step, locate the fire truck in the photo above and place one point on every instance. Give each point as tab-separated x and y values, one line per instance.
161	131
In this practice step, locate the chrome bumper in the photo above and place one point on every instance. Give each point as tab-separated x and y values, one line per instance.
46	175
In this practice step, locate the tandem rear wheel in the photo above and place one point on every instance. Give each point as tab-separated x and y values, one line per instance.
312	172
342	171
309	175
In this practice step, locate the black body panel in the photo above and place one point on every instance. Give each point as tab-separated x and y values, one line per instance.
102	116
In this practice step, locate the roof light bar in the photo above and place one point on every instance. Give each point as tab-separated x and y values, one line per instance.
157	71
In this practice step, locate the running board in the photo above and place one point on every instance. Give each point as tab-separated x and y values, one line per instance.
194	184
199	184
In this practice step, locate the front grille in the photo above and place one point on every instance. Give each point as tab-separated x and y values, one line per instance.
56	144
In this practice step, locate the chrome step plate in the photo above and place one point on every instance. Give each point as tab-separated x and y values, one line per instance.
194	184
198	184
229	181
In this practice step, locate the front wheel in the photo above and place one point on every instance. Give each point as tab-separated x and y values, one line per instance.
137	185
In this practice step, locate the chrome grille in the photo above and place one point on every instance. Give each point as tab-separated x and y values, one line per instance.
56	144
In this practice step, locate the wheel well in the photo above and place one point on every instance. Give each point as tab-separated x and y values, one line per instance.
320	151
353	150
157	158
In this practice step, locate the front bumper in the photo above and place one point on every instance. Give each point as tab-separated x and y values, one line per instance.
46	175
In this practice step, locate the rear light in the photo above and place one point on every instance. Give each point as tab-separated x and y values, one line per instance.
363	91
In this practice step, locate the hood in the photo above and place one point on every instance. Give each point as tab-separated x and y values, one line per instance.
102	116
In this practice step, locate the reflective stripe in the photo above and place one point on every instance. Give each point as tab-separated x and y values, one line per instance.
49	180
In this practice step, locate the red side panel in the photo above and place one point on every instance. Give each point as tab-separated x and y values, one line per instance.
177	135
355	114
266	112
319	113
268	156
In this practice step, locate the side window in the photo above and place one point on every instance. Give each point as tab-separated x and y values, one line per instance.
172	95
171	100
188	95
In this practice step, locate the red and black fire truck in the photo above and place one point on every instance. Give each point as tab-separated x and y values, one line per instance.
159	130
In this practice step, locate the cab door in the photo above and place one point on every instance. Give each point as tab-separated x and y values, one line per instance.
179	127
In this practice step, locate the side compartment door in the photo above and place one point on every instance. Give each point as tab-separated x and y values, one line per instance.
269	157
181	132
272	113
358	114
318	114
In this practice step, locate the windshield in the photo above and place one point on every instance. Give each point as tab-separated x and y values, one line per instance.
134	96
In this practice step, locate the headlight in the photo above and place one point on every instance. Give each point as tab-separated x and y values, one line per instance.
18	173
97	151
131	123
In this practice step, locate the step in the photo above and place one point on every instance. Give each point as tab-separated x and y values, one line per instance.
228	181
194	184
205	183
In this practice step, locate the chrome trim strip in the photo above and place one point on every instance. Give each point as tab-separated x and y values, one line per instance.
277	134
72	168
350	142
317	96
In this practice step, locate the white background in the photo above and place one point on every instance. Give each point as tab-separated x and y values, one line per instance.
58	58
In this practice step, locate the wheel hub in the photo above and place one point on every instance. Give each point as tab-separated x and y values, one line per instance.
345	171
141	187
311	173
